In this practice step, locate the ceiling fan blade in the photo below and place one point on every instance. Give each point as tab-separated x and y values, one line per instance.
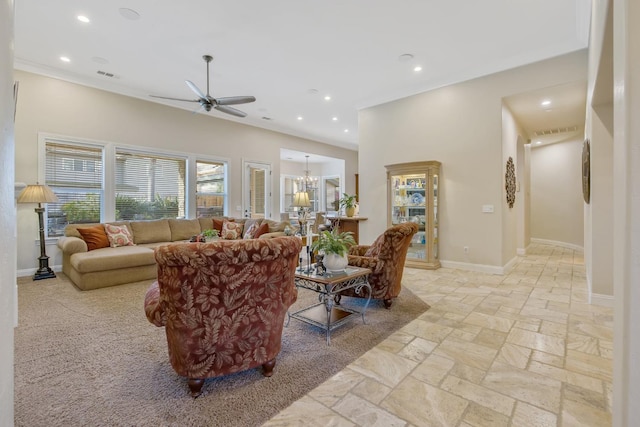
230	110
195	89
175	99
233	100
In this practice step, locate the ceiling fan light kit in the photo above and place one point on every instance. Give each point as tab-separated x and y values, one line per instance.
207	101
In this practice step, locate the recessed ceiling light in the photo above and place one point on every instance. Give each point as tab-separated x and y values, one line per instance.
100	60
545	103
83	18
417	68
335	119
538	142
346	131
327	97
64	59
299	117
130	14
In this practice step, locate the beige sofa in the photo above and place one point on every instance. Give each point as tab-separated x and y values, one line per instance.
111	266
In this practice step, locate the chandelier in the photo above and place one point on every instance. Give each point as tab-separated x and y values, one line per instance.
307	182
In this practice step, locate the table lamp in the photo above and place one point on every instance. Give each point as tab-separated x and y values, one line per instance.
301	200
40	194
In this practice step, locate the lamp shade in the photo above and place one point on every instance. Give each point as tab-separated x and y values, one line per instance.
37	194
301	200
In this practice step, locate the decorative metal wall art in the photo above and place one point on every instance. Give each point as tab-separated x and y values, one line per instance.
510	182
586	171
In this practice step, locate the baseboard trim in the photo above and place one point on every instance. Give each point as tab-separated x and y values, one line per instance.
602	300
557	243
31	271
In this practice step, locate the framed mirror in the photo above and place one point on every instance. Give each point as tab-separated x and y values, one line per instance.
331	186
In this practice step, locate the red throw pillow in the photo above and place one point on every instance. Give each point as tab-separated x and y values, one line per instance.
264	228
95	237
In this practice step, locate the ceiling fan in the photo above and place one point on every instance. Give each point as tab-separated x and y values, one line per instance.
207	101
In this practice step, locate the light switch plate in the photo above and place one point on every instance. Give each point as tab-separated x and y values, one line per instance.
487	208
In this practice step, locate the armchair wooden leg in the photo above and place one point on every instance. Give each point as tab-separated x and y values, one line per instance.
267	368
195	385
387	303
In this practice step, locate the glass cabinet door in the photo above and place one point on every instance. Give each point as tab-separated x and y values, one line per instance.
409	204
413	197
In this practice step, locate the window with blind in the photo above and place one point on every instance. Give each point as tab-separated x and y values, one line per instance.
210	188
75	174
149	186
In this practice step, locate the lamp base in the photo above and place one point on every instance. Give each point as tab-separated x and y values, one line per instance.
44	272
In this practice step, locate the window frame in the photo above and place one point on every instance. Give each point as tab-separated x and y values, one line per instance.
109	149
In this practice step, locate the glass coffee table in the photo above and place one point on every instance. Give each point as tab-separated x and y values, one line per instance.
328	314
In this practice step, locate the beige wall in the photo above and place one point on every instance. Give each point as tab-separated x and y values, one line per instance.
556	193
461	126
8	216
58	107
513	219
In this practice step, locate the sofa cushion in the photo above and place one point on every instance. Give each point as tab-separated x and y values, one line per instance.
112	259
276	225
118	235
183	229
95	237
231	230
206	224
151	231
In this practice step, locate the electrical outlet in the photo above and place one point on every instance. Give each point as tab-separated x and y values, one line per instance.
466	249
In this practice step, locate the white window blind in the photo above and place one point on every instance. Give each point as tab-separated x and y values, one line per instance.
149	186
75	174
210	189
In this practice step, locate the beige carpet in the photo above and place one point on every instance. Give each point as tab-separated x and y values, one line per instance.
92	359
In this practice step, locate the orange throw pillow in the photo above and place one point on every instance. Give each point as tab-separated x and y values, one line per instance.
264	228
95	237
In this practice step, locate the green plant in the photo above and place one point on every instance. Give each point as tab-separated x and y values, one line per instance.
347	201
332	242
210	233
79	211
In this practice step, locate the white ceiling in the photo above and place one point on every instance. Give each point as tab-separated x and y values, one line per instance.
290	54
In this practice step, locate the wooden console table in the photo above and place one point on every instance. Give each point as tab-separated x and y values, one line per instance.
348	223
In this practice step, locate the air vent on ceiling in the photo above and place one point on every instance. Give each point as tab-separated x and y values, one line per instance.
555	131
107	74
267	118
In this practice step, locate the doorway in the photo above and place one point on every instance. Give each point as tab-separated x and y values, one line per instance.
257	190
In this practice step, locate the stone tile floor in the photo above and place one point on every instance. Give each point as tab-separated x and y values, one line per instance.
523	349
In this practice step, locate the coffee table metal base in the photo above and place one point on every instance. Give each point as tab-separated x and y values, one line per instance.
328	314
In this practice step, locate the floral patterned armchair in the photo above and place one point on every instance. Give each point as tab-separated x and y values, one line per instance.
385	257
223	304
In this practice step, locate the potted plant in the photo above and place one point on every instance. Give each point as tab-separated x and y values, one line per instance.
335	247
348	203
210	233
